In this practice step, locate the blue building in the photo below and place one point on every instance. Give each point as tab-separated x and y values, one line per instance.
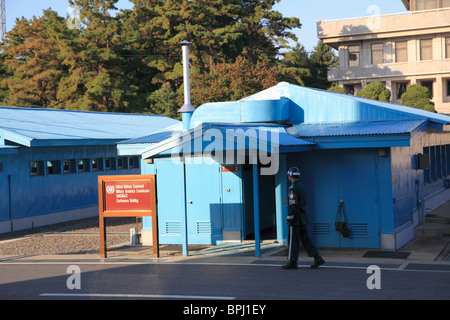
50	160
225	172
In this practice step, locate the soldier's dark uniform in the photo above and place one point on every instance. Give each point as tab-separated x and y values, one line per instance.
297	221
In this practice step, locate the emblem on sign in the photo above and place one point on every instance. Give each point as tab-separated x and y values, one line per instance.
110	189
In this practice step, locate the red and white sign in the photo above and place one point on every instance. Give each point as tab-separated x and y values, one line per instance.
127	195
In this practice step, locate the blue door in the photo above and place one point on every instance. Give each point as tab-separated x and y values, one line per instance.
351	176
171	200
204	206
232	203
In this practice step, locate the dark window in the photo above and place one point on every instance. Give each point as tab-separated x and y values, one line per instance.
428	85
83	165
37	168
53	167
353	56
401	89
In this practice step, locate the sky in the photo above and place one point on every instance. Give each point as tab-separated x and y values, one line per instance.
308	11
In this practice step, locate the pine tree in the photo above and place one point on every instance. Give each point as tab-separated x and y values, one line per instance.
97	80
32	59
322	58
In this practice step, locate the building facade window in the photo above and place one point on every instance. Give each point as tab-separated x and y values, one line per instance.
401	51
36	168
83	165
110	163
429	85
53	167
445	3
401	88
447	85
426	49
426	4
69	166
353	56
377	53
97	164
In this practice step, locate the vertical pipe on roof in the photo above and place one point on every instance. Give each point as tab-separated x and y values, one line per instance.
187	109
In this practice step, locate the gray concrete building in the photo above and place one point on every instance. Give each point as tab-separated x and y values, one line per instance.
399	49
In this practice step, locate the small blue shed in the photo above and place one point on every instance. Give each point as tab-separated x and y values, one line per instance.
388	164
50	160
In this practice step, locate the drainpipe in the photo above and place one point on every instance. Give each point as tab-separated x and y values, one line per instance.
187	109
9	202
256	210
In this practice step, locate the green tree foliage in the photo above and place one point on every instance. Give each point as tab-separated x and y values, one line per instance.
375	91
130	60
32	64
321	58
418	97
308	69
233	81
335	88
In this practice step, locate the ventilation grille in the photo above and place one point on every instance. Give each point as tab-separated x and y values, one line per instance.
321	229
359	230
173	227
203	227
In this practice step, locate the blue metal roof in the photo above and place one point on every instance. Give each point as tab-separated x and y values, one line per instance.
234	136
310	105
358	128
29	126
152	138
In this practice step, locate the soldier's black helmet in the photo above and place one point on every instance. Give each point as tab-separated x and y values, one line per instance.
293	172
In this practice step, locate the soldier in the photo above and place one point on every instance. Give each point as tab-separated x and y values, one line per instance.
297	221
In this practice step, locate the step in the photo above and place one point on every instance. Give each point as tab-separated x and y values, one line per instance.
432	230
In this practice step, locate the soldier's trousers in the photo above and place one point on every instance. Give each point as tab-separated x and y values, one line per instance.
296	234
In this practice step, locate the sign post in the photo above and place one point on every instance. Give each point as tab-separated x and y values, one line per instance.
127	196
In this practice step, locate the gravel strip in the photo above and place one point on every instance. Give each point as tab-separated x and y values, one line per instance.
77	237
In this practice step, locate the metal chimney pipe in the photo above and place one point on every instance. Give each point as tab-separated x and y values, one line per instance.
187	109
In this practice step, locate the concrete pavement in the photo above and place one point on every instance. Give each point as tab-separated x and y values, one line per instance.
430	252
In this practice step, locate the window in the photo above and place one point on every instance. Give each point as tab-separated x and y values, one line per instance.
426	49
97	164
401	89
377	53
448	87
69	166
426	4
134	162
36	168
447	47
429	85
445	3
53	167
110	163
122	163
401	51
83	165
353	56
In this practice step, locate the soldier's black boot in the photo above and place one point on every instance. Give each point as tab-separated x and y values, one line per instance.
318	261
291	265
